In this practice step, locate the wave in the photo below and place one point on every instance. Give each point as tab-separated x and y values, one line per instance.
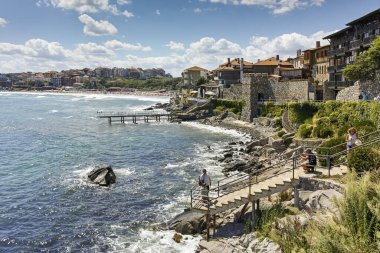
162	241
53	111
215	129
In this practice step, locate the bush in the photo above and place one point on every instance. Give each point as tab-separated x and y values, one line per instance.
270	109
299	113
323	131
277	121
356	229
281	133
305	130
339	145
234	106
362	159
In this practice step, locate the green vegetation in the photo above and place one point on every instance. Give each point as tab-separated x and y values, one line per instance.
154	83
355	228
334	118
235	106
363	159
333	142
267	216
366	65
201	81
281	133
269	109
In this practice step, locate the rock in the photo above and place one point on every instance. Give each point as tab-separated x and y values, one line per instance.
228	154
235	165
102	175
270	151
187	223
232	143
292	145
217	247
177	237
264	246
228	160
323	199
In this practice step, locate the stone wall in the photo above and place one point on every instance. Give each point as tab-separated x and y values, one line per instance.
255	88
315	184
233	93
369	88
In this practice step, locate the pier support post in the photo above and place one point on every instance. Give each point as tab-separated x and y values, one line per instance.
110	120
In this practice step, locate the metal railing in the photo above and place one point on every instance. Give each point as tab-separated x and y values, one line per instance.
198	195
132	113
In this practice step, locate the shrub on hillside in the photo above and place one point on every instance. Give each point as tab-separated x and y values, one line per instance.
323	131
281	133
363	159
332	146
356	228
305	130
277	121
299	113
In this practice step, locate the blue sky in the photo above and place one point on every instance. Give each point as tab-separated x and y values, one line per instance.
42	35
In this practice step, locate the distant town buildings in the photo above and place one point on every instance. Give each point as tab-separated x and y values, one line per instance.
80	78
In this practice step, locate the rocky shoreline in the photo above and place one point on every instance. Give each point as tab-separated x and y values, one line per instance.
265	147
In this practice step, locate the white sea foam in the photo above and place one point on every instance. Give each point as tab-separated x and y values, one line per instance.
215	129
162	241
53	111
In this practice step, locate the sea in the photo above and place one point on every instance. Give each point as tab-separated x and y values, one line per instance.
49	142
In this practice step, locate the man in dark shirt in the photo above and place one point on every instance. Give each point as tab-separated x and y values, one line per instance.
311	161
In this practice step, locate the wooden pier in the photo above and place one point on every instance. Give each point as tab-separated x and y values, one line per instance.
135	116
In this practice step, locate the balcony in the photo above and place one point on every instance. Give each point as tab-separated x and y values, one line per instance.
354	45
367	41
340	67
331	69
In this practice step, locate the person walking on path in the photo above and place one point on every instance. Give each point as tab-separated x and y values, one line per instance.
351	138
205	182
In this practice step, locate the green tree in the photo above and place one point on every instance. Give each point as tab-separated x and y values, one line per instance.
366	65
201	81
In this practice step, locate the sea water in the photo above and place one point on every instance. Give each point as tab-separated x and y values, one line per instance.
48	142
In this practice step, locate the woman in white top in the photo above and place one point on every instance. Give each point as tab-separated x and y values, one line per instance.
351	137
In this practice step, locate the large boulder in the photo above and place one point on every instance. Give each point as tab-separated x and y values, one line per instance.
102	175
188	223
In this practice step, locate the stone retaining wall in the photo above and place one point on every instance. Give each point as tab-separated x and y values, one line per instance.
233	93
315	184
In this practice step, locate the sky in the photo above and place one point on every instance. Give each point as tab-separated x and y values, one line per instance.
44	35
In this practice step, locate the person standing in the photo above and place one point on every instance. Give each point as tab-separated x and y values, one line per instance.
351	137
205	182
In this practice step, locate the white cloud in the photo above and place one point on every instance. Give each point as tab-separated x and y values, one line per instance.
285	45
122	2
128	14
96	28
82	6
197	10
117	45
3	22
35	48
276	6
207	52
158	12
176	46
88	6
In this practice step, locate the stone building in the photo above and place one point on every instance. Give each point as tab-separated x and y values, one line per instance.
231	72
269	66
192	75
256	89
347	44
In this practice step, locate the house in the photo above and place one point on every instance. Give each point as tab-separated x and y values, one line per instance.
192	75
231	72
5	81
317	62
268	66
347	44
